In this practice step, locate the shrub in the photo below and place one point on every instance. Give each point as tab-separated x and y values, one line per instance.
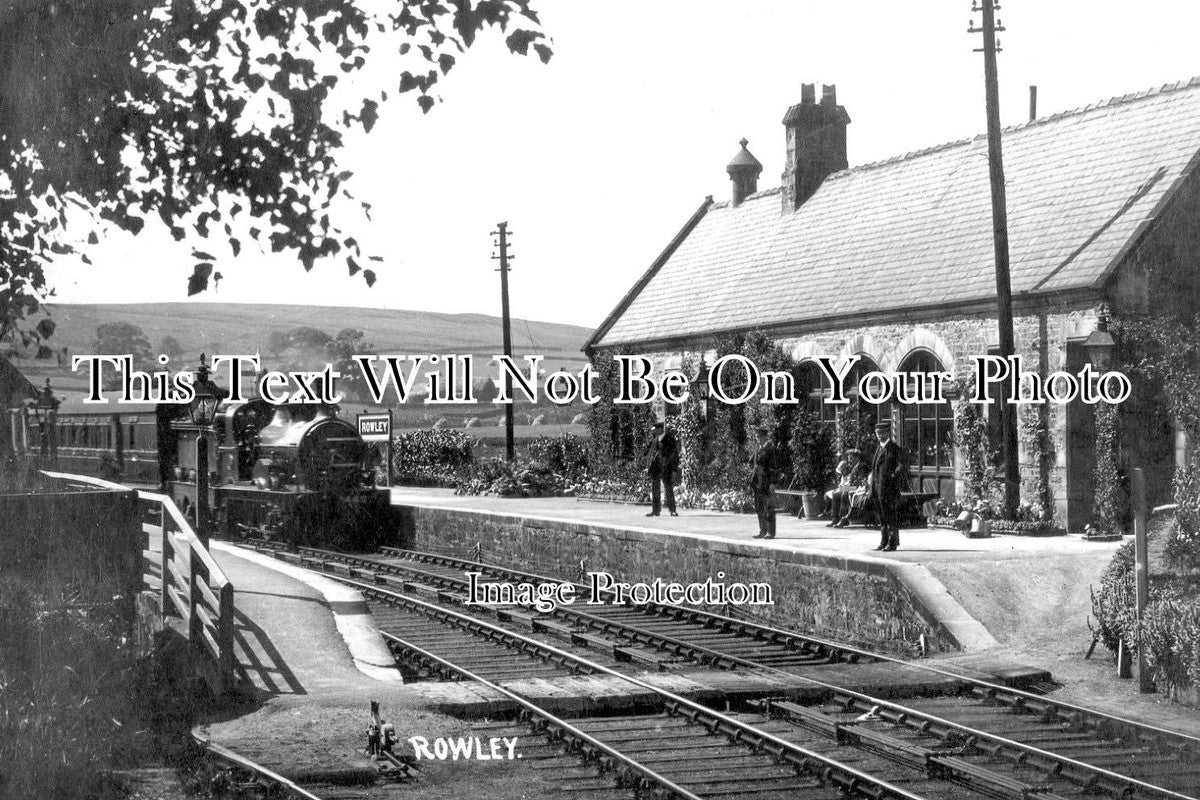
1170	625
813	457
433	457
1113	604
1171	635
73	704
504	479
1183	544
564	454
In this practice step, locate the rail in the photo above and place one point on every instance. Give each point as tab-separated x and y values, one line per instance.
261	773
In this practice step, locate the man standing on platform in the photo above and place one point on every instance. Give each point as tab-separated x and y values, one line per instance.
662	460
765	462
887	472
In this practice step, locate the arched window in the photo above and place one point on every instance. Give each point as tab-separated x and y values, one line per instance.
926	432
858	419
812	388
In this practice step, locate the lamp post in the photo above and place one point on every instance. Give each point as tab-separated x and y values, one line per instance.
1099	345
203	410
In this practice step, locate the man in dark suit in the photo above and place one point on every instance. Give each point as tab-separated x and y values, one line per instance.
662	462
887	475
765	463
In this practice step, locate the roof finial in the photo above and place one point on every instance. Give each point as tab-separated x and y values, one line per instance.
744	142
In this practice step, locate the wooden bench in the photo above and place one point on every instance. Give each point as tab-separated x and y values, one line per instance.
791	500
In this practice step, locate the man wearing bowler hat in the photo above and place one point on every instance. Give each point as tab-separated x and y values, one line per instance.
765	463
887	471
662	462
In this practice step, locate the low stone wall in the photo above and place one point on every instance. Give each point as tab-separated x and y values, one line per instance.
856	600
84	543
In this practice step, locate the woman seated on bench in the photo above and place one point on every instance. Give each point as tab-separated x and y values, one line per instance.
851	492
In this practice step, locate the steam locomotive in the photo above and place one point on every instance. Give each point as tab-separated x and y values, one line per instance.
297	470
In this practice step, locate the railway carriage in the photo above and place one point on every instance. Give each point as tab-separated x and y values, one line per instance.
295	470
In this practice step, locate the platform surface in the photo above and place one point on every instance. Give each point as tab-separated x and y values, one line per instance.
923	545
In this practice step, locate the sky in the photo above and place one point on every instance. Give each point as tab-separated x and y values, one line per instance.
598	158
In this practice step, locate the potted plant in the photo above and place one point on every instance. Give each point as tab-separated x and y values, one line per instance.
813	460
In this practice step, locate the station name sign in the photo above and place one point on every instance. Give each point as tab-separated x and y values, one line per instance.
375	427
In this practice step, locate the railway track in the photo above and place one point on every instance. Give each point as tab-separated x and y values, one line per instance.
1018	743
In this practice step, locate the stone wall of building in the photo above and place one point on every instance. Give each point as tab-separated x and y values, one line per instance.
1041	338
827	595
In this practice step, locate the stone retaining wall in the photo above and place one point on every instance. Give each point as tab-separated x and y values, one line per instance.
86	543
847	599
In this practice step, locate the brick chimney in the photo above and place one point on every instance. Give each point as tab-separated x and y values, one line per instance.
743	171
816	143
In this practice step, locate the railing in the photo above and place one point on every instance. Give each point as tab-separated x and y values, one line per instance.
192	587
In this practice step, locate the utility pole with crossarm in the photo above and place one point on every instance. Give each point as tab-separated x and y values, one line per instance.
1008	411
504	257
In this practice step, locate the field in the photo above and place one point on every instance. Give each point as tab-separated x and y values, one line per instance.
233	328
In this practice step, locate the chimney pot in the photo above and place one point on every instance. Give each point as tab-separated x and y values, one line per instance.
743	171
816	143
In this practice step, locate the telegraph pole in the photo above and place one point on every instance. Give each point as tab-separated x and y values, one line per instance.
503	257
1008	415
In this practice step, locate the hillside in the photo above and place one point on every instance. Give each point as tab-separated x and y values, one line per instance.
244	328
231	328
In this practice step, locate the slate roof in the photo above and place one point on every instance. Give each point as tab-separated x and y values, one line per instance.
916	230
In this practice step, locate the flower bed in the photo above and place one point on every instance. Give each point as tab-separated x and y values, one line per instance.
1011	527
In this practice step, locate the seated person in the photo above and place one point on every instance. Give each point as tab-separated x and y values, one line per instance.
851	492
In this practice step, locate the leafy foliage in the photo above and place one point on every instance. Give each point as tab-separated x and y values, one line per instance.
813	452
223	119
341	349
1113	604
121	338
1109	508
564	455
170	346
1165	351
1034	425
972	440
1171	621
433	457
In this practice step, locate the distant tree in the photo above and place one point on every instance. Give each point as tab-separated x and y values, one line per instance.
486	390
306	338
277	342
348	343
170	346
121	338
44	352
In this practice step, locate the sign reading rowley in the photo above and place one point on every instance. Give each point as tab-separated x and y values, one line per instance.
376	431
375	427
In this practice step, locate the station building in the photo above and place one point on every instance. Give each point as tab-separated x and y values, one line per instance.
894	262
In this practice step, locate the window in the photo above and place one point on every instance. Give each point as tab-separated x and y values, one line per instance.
926	432
858	418
812	388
